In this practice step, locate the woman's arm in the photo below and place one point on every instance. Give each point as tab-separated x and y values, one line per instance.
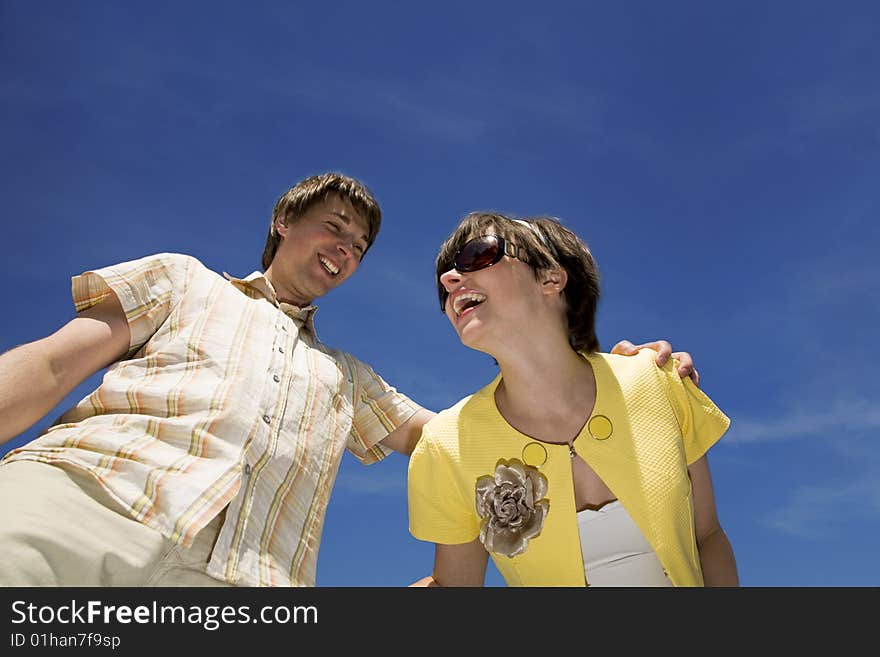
716	553
457	565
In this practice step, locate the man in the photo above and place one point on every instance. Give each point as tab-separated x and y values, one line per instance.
208	453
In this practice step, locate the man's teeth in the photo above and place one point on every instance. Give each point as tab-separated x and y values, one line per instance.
329	266
467	300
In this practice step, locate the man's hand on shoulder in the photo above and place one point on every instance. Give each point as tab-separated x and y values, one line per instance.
664	353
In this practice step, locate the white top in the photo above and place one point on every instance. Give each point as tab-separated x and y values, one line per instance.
615	550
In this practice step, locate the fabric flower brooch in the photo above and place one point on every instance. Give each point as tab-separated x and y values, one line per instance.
511	507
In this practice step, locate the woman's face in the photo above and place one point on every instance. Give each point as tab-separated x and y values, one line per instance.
485	306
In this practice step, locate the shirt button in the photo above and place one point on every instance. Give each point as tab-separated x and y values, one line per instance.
276	378
280	350
284	328
267	419
247	469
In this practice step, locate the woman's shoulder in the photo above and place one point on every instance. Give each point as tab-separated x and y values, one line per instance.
626	366
634	375
440	436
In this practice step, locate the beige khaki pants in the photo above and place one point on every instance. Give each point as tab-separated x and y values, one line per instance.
60	528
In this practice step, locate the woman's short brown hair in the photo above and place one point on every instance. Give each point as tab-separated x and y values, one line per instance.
296	201
547	244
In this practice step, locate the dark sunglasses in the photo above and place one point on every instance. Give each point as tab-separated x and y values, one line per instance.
479	253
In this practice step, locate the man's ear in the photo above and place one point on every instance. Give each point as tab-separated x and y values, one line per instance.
280	226
553	280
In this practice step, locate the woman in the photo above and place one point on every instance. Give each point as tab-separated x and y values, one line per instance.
573	467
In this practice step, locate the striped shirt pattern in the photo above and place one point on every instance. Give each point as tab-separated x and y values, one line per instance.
226	400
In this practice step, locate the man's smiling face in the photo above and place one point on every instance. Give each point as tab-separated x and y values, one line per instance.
318	251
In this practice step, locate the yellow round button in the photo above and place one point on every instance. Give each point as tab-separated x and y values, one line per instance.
534	454
600	427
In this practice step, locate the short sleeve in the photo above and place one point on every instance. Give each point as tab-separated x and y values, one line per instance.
147	288
379	409
702	422
440	510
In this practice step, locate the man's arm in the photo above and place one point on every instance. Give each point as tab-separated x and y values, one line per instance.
664	352
404	438
716	554
36	376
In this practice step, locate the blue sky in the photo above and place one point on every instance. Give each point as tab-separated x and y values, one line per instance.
722	161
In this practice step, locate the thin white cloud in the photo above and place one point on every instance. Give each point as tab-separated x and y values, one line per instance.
819	111
830	503
442	107
820	511
855	415
448	109
842	281
828	107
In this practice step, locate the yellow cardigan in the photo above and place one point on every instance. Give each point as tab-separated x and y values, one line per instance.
647	426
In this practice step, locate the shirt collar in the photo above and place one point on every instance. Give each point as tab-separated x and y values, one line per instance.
257	281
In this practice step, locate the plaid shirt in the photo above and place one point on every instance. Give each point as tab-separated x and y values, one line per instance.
226	399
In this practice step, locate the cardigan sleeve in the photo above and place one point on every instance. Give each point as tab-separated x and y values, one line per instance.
440	510
702	423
